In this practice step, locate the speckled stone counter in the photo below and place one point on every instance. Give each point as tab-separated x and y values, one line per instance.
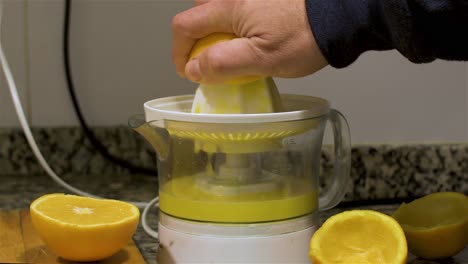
378	171
17	192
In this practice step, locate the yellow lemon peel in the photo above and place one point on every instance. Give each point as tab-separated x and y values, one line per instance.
359	236
436	225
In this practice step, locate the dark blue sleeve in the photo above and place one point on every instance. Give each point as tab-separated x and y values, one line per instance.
421	30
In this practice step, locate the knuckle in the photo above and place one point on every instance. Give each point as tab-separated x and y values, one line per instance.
214	62
261	59
179	23
200	2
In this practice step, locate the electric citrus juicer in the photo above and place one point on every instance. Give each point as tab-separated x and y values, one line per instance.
242	187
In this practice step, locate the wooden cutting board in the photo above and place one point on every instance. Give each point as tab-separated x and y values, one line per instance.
19	243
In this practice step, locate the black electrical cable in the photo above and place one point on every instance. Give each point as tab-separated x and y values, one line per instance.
88	133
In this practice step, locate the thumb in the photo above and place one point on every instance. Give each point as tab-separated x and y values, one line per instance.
225	61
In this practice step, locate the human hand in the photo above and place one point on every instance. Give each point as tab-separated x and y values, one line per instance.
275	40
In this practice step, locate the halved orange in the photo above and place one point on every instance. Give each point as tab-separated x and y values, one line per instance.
436	225
83	229
359	236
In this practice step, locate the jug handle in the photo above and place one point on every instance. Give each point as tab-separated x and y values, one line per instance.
342	164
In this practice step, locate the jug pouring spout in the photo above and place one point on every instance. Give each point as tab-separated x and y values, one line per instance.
156	136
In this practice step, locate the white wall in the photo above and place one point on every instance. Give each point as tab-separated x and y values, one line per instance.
386	98
121	58
13	37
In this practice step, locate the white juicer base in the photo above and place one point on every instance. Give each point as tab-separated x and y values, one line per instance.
179	247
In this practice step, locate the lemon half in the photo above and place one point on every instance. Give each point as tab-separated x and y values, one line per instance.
436	226
359	236
212	39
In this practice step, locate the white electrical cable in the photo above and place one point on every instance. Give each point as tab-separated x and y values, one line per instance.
144	224
32	143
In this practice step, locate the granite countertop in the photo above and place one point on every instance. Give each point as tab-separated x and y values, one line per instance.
17	192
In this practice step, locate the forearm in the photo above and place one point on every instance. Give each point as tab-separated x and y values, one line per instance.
421	30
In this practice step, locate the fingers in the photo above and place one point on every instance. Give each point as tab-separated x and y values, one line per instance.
226	60
195	23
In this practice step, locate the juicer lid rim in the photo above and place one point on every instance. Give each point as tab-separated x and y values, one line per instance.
153	113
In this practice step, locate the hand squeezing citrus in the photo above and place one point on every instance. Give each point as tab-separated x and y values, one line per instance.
359	236
83	229
436	225
240	95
